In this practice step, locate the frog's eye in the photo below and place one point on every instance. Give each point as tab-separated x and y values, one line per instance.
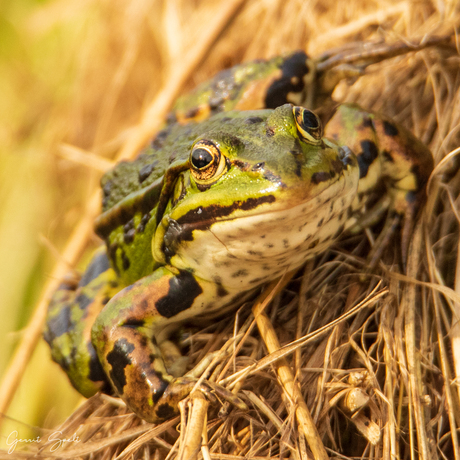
308	125
207	162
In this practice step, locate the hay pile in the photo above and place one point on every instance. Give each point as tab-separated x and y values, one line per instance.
378	379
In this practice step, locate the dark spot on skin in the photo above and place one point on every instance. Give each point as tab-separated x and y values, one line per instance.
119	358
67	286
286	243
107	188
337	165
243	272
321	176
125	261
105	300
165	411
390	129
183	290
293	69
143	223
387	155
366	157
320	223
145	172
58	325
98	265
313	244
128	226
367	123
135	323
96	373
253	120
263	236
159	140
297	152
128	237
270	132
269	245
171	237
255	253
171	118
112	250
221	291
83	301
233	141
191	113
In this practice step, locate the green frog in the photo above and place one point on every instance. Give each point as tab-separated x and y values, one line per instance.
242	185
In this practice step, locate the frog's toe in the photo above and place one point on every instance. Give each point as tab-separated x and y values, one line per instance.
227	395
168	405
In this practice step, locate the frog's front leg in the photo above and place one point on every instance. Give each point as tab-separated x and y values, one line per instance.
390	156
126	333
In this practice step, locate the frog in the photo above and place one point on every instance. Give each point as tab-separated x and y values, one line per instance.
243	184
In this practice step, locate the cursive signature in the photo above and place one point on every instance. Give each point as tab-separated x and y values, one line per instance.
55	438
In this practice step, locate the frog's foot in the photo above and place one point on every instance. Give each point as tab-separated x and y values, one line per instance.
167	405
125	336
351	61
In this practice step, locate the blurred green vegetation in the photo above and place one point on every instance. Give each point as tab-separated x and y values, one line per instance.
37	79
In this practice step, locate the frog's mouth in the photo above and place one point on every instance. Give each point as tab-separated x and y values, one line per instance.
265	234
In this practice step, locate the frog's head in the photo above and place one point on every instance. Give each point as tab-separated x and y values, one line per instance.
260	182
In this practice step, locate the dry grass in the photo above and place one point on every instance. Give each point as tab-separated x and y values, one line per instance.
378	379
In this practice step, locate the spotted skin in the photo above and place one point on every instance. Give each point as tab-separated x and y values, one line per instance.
254	85
386	153
225	199
71	314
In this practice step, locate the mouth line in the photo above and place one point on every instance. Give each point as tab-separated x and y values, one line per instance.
206	224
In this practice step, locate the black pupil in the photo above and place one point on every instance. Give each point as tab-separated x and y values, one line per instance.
309	119
201	158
